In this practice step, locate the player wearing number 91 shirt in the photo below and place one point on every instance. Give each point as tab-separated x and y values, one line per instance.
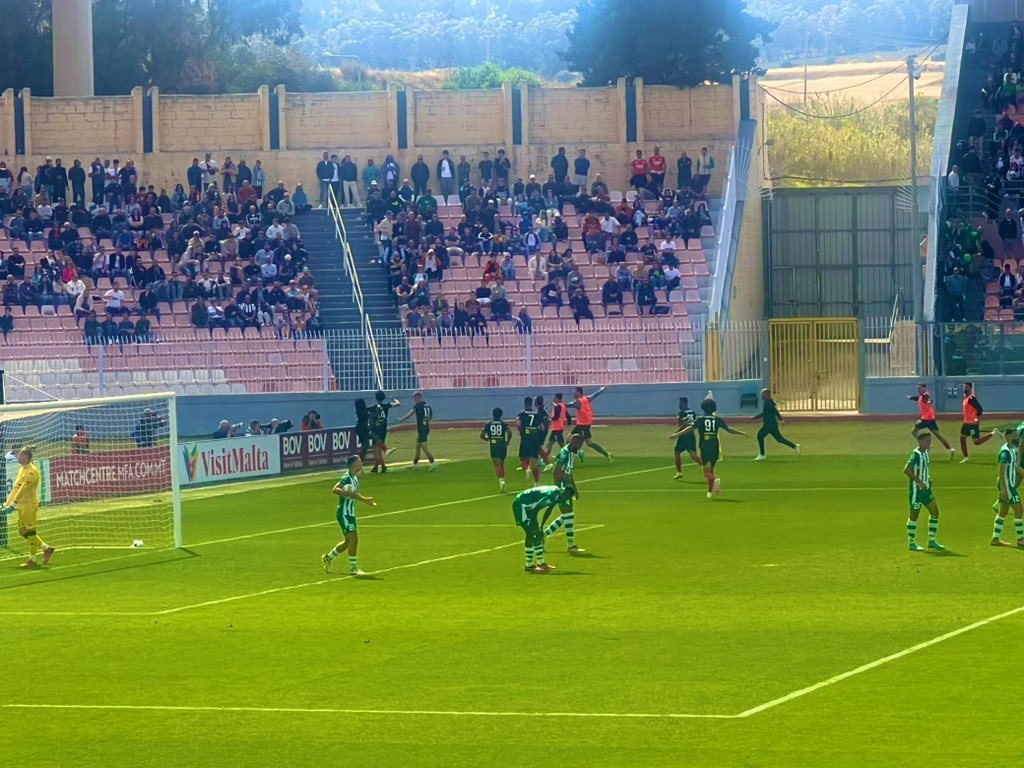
706	427
498	434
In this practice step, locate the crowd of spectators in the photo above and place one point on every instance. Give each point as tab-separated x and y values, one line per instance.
234	252
529	219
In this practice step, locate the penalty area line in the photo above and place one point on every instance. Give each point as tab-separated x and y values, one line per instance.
393	712
332	523
342	577
879	662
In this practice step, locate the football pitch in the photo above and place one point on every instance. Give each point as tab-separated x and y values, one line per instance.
783	623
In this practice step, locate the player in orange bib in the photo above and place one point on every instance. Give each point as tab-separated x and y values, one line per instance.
972	421
585	419
926	406
558	419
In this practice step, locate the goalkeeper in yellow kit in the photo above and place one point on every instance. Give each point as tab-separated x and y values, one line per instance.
24	497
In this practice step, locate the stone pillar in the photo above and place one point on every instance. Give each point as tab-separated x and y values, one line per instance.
7	124
139	141
72	48
26	106
282	110
638	86
264	96
392	122
506	124
620	122
154	97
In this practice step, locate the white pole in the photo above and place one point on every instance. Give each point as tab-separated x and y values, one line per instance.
917	276
172	430
73	405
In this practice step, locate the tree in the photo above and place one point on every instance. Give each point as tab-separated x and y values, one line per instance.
488	76
684	43
26	40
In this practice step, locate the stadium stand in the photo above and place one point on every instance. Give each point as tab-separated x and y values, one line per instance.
981	255
483	281
195	292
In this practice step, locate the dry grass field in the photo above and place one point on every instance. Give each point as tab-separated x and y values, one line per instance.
863	81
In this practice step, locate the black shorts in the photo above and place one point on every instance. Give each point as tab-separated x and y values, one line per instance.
557	437
926	424
971	430
638	181
499	452
363	436
378	438
529	448
709	453
581	429
422	435
686	443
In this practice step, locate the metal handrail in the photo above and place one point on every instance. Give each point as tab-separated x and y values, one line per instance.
724	243
349	264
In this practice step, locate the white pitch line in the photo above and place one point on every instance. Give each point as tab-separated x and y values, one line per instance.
879	662
318	582
333	711
402	511
700	489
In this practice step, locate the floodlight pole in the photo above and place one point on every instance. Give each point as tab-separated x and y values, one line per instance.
917	274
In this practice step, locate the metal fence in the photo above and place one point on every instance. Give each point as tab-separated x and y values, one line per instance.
977	349
647	351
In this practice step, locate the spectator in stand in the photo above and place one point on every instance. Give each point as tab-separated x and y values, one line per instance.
560	166
83	304
92	331
684	170
420	174
27	294
645	296
7	323
324	174
349	183
501	309
228	172
1008	232
109	330
580	305
114	299
199	316
551	296
143	330
502	168
371	177
1007	286
657	166
705	167
301	200
446	174
976	131
76	175
956	287
611	293
638	171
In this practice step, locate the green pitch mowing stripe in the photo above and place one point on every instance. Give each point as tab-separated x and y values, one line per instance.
333	711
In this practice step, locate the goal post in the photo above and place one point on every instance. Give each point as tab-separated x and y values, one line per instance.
108	475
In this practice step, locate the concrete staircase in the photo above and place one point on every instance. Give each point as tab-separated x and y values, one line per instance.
349	353
392	346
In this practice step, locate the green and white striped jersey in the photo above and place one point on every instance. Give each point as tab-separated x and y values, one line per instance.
1008	458
347	505
921	461
566	459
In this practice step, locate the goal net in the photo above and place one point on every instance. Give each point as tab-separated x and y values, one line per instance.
107	473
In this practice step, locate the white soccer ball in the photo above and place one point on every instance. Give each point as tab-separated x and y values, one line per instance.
137	544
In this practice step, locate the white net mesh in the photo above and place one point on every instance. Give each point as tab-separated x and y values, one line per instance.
105	472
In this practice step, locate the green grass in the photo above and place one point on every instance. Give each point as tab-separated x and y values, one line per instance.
798	573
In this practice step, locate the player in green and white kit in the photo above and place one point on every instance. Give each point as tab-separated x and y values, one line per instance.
347	488
564	463
918	469
527	508
1007	484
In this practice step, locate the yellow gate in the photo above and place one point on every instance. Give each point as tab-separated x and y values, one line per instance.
815	363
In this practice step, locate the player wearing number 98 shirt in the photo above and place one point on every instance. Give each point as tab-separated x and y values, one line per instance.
498	434
707	427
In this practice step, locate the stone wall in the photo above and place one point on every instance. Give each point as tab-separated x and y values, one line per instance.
82	126
369	125
209	123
